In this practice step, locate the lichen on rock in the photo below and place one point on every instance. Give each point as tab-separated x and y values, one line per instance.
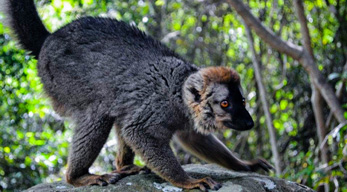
231	181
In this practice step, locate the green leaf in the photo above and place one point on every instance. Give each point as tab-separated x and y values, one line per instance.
159	3
283	104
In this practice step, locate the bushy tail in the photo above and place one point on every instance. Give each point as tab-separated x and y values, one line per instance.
25	22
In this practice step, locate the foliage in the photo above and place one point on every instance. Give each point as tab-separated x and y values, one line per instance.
26	151
34	140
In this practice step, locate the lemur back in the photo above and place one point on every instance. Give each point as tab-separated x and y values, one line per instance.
91	60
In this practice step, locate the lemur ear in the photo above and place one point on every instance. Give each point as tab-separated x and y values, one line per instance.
194	86
196	94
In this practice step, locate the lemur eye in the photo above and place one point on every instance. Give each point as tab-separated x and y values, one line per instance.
243	102
224	104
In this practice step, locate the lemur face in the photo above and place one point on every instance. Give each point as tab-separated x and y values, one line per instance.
227	104
215	100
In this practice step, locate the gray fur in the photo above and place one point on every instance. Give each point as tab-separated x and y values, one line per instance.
98	67
102	72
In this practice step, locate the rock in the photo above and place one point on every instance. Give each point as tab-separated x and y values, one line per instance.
231	181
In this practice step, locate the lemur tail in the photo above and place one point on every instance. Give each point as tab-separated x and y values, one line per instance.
26	24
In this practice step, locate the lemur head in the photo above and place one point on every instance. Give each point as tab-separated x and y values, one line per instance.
215	100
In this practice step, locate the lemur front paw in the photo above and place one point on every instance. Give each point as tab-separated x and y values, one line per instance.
260	164
203	184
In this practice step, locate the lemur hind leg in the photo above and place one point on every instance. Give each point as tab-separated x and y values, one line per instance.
90	135
125	158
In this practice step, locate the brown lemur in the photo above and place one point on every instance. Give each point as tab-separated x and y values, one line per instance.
105	73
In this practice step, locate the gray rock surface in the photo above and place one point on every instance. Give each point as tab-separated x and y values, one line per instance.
231	181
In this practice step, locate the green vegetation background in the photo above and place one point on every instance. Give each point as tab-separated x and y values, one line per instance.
34	140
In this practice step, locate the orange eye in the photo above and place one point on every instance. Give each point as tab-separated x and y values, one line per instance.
224	104
244	102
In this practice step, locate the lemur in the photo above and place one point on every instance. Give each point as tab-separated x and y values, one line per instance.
105	73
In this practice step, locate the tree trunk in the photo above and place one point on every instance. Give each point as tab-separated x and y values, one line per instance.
316	101
316	98
262	93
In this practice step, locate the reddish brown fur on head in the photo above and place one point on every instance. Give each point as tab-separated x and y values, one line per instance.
198	87
219	75
223	75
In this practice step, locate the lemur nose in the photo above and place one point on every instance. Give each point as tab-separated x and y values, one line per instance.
250	124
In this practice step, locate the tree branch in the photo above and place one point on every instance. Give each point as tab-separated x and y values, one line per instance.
339	93
299	9
264	33
293	51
